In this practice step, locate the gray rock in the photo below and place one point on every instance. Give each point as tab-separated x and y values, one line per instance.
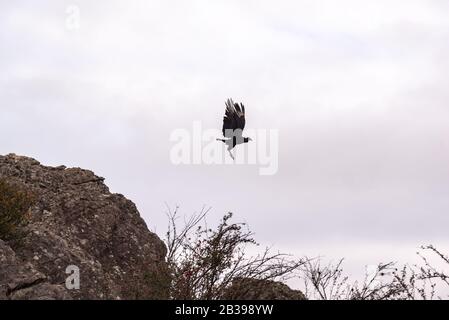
20	280
253	289
77	221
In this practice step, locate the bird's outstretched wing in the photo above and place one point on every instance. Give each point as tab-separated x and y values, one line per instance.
234	118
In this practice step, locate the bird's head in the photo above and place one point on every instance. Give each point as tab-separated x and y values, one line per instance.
246	140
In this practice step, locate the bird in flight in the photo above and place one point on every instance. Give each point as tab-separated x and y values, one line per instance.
233	125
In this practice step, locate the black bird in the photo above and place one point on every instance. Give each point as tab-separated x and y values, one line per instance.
233	125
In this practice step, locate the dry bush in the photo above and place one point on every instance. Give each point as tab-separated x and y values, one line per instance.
386	282
205	262
14	211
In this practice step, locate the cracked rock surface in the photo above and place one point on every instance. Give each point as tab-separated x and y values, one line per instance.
78	222
20	280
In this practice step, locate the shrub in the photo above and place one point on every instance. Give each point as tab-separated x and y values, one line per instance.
427	280
204	263
14	210
211	264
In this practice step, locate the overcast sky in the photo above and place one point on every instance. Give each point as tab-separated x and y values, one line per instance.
357	89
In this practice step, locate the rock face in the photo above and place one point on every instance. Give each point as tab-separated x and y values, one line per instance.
77	222
252	289
20	280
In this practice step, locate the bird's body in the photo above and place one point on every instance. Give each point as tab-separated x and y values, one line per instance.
233	124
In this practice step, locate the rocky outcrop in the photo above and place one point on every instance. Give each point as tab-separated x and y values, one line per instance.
253	289
77	222
19	280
